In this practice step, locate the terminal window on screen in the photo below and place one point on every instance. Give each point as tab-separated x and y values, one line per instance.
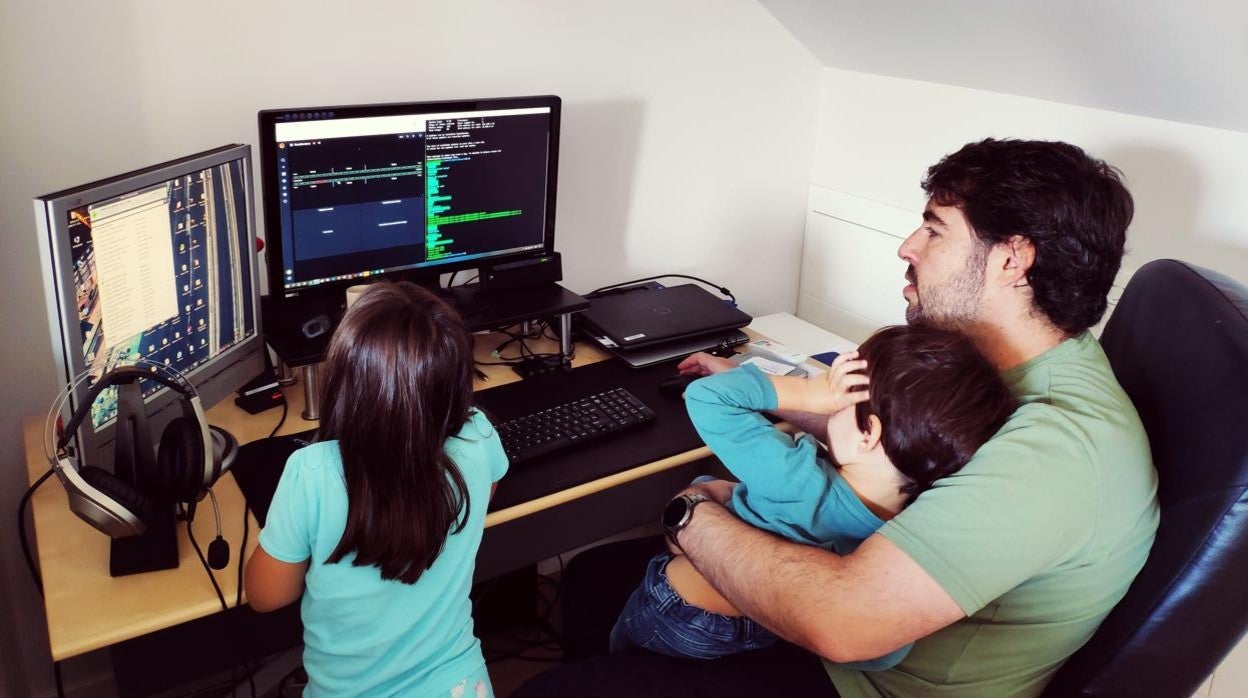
375	194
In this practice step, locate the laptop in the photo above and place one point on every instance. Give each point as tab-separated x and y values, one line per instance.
655	315
673	349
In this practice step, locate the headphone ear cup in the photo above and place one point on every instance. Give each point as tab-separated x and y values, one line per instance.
120	491
180	460
222	461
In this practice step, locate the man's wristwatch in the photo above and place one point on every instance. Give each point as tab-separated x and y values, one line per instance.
679	511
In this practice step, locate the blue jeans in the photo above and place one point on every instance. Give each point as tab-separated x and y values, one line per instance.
657	619
596	584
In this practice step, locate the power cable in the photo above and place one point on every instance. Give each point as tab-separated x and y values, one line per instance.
599	291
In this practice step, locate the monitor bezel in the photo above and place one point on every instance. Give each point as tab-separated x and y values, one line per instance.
213	380
269	119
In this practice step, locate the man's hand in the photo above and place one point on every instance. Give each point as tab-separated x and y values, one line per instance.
703	364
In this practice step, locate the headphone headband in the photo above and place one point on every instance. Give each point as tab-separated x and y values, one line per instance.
185	464
120	376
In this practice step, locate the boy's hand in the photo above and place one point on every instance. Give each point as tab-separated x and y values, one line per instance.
843	385
703	364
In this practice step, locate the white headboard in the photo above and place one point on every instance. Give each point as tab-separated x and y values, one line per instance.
851	276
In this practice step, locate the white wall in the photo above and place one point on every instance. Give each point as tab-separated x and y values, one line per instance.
687	133
877	136
1169	60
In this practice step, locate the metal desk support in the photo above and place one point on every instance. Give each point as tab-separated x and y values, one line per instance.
285	376
565	337
311	391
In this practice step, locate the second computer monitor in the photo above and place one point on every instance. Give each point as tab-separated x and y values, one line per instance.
352	193
154	267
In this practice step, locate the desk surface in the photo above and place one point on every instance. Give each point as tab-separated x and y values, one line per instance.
87	609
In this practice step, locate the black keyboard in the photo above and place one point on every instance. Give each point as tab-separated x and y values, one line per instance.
572	423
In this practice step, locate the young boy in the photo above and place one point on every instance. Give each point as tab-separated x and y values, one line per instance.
933	401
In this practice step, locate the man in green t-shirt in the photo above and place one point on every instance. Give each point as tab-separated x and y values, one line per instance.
1003	570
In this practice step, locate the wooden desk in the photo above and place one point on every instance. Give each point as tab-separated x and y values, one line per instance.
87	609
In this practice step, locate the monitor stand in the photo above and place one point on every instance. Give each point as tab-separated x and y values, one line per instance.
481	310
486	310
157	547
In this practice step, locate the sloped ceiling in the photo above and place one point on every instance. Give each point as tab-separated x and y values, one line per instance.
1176	60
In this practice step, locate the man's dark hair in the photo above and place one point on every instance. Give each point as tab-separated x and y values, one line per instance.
398	384
938	400
1072	207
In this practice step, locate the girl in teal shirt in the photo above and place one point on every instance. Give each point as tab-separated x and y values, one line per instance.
377	525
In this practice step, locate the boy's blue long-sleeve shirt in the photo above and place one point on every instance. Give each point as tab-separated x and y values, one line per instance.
786	487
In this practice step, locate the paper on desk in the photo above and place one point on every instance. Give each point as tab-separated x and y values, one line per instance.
812	368
771	368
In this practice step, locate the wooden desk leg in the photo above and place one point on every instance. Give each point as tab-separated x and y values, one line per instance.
311	392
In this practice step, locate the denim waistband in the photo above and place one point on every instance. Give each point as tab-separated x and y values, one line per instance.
667	602
658	585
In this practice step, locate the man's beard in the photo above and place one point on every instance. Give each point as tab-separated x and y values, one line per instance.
955	305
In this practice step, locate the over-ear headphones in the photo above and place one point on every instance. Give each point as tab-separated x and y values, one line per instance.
187	461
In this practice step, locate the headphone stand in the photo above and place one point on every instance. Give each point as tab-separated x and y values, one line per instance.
157	548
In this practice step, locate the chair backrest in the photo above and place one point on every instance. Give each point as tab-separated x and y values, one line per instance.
1178	343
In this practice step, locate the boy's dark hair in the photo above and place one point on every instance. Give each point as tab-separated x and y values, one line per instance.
397	385
1072	207
938	400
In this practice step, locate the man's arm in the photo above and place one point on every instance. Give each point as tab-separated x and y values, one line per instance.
850	608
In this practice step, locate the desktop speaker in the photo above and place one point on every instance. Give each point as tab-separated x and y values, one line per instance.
545	269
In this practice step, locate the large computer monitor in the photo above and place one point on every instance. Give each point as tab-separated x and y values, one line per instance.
417	189
156	265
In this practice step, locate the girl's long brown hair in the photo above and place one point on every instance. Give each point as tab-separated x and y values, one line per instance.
397	385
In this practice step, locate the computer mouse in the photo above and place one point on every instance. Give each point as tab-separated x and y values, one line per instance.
675	385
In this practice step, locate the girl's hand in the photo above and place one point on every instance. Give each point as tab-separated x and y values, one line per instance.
840	386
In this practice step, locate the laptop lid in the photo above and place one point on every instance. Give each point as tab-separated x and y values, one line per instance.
677	348
649	316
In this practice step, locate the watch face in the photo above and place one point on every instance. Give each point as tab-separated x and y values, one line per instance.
675	512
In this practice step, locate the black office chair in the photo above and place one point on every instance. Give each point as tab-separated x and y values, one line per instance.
1178	342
